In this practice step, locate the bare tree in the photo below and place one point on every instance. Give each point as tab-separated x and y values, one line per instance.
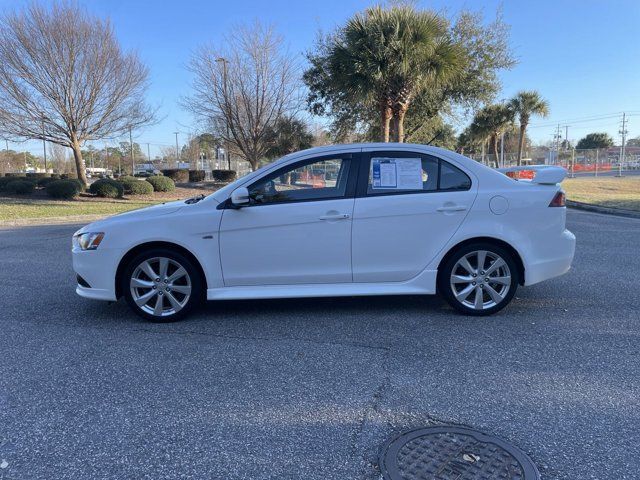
65	79
243	89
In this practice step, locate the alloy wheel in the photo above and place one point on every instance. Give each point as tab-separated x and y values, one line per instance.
480	280
160	286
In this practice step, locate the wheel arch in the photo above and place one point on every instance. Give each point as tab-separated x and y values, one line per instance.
495	241
124	261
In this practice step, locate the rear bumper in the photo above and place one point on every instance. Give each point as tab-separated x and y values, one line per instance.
564	249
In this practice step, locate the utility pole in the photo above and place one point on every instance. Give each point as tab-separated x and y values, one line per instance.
133	155
226	120
566	137
623	132
177	151
556	141
106	157
44	148
148	153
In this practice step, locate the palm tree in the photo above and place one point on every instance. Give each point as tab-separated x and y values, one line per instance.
525	104
489	124
386	56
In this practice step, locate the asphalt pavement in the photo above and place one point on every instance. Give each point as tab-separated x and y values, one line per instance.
310	389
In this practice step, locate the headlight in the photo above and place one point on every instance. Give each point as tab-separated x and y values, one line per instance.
89	240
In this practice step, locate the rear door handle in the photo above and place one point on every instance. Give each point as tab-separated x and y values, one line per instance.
452	208
336	216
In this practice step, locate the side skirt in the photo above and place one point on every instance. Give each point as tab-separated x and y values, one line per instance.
423	284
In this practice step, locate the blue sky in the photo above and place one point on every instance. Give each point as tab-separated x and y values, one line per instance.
583	56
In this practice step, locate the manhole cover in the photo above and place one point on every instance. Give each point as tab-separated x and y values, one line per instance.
453	453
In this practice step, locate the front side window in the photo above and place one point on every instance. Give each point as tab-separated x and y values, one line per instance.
311	180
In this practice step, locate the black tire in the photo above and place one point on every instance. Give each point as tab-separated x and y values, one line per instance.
446	289
193	280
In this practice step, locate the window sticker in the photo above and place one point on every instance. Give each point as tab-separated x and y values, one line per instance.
397	173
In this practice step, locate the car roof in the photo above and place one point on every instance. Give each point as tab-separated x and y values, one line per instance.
476	168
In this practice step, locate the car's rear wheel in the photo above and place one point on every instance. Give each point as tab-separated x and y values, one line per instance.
479	279
161	285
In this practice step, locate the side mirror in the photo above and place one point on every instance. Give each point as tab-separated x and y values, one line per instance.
240	197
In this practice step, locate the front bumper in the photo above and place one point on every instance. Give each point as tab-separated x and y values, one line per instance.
98	269
563	251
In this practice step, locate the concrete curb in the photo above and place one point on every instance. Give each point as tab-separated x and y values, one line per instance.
619	212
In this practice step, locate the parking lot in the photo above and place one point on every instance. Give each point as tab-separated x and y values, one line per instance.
310	389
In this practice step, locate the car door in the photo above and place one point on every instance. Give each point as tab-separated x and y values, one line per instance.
408	206
297	227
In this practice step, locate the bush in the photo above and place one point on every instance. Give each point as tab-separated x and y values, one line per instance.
37	176
4	181
62	189
43	182
15	175
161	184
196	175
127	181
20	187
105	187
178	175
81	186
134	186
223	175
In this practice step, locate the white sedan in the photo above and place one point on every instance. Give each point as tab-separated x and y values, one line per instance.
345	220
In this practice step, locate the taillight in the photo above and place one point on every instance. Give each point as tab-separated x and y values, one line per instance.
559	200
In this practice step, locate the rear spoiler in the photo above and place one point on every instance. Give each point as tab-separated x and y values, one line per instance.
541	174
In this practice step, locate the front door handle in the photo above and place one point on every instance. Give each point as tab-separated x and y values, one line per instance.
335	216
452	208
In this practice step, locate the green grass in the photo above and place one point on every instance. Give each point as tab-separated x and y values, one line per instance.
606	191
31	208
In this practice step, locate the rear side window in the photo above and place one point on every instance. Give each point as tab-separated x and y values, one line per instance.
402	174
399	173
452	178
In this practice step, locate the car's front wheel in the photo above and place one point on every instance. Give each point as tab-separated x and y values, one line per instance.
161	285
479	279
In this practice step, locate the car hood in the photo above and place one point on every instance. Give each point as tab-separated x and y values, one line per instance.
139	214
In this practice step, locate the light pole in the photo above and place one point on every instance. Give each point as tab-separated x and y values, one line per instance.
226	99
177	151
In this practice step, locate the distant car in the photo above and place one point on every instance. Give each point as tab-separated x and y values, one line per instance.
396	219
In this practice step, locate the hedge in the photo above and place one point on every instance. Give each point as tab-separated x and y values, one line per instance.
105	187
37	175
15	175
223	175
138	187
20	187
196	175
178	175
43	182
127	182
62	189
161	184
4	181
